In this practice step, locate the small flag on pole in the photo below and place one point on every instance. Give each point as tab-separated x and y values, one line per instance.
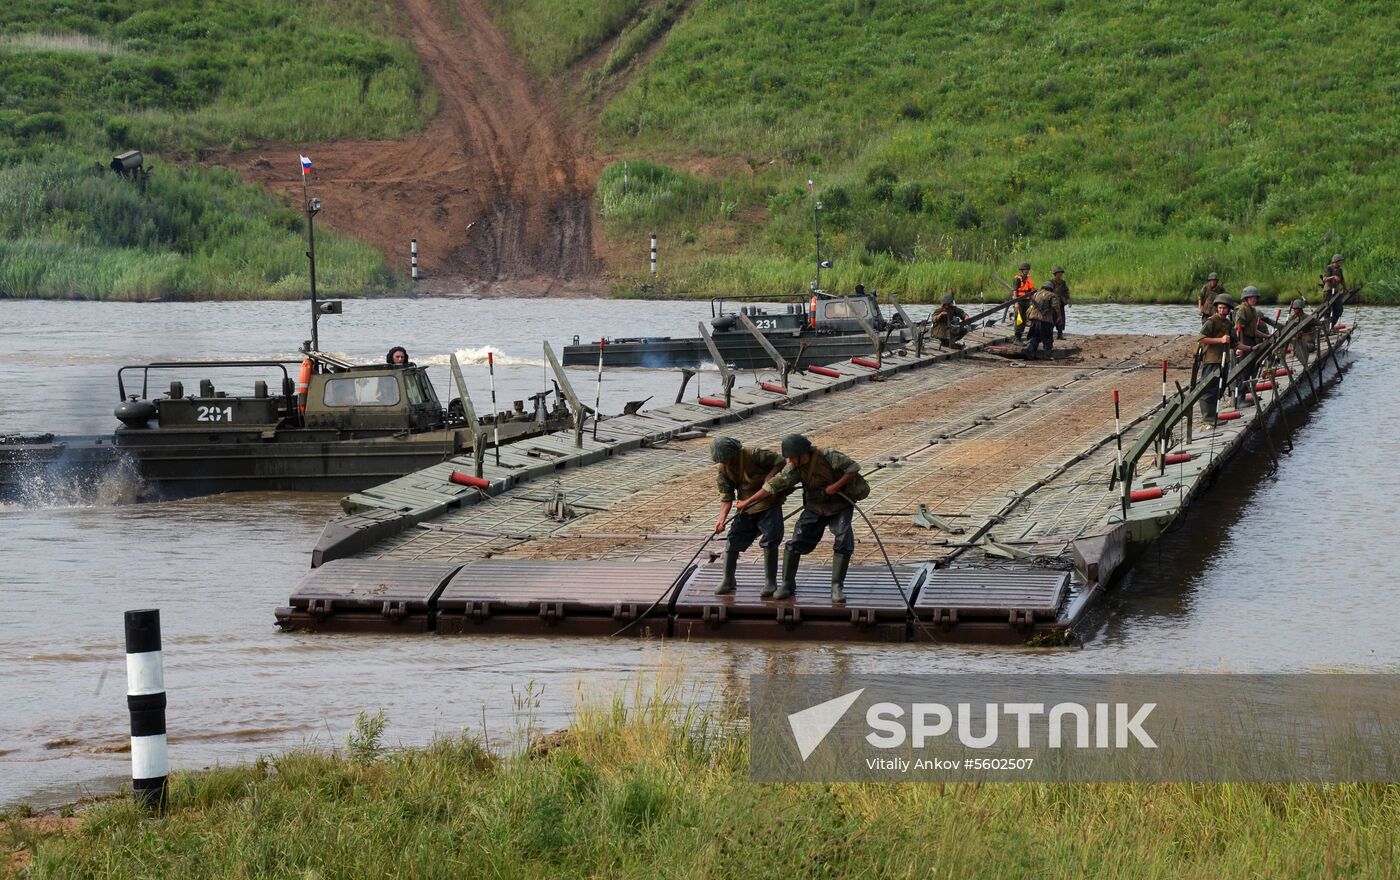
305	165
809	184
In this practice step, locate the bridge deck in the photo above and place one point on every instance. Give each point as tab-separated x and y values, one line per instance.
1016	457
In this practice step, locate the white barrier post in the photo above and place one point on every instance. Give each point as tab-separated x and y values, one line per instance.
413	256
653	253
145	701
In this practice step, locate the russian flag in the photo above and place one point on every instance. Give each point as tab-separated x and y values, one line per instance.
305	165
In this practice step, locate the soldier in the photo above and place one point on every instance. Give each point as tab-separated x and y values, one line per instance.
1249	332
949	323
831	484
1305	342
1334	289
1058	287
1206	301
1217	334
742	473
1023	286
1044	314
398	357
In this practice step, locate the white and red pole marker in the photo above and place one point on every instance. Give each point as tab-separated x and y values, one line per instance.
495	410
145	701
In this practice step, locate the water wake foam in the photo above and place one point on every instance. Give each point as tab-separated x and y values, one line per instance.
478	356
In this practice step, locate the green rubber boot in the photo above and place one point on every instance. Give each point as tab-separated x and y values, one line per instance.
839	563
770	572
789	584
726	584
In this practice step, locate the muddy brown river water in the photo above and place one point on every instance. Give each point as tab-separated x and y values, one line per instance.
1290	572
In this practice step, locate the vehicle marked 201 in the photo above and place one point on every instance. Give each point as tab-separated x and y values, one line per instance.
213	414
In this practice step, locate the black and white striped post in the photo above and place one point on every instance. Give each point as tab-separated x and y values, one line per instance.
145	700
653	253
413	256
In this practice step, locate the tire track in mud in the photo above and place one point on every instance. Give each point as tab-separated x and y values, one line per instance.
497	189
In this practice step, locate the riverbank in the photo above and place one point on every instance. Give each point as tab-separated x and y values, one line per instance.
659	789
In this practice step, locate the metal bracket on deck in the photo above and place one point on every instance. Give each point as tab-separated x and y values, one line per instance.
564	383
714	614
319	608
927	519
789	615
778	360
478	612
874	337
725	375
394	610
623	613
918	331
863	617
1021	618
946	617
1006	551
551	612
478	435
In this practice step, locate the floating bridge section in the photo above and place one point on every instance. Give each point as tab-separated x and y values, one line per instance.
995	491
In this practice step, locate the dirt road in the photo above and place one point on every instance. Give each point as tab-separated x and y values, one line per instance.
498	190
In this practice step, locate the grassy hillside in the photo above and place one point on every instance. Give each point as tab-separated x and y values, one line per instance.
659	793
79	81
1141	144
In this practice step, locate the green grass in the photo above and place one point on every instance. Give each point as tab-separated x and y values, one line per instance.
662	791
553	34
79	81
1142	144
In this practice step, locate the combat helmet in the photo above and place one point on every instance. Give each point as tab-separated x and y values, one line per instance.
1222	298
947	299
1025	267
1336	258
1300	304
795	445
724	448
1214	276
1249	291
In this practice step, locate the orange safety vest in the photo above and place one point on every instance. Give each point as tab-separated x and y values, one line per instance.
1024	285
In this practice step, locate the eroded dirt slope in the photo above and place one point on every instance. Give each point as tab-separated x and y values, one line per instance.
498	190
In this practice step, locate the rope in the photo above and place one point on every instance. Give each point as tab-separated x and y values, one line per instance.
670	588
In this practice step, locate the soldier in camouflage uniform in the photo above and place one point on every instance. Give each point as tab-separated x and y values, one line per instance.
1206	301
1058	287
741	473
1217	335
1249	333
1044	314
949	323
831	483
1023	287
1305	342
1334	289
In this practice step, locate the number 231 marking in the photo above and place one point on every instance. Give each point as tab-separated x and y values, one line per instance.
768	324
214	414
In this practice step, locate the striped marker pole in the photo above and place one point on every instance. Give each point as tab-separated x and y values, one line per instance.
413	256
653	253
145	700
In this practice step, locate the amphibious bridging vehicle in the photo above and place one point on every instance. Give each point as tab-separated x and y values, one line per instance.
341	428
821	330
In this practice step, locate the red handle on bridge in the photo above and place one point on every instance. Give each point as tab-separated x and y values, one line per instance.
773	387
1144	494
716	402
462	479
824	371
1177	458
865	362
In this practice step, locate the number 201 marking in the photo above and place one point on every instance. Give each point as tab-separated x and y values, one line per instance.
214	414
